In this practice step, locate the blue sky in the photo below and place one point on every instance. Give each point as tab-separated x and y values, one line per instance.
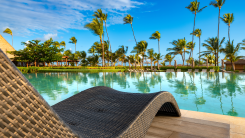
62	19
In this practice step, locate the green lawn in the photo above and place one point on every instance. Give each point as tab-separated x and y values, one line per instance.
81	70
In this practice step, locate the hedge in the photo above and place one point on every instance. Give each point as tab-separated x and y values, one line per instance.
82	70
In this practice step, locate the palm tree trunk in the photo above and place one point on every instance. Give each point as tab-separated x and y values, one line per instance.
151	65
184	59
218	39
159	46
135	64
108	40
133	33
158	64
75	48
103	61
229	33
193	32
12	41
129	64
199	49
233	66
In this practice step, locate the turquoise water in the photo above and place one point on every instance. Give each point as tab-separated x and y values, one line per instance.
219	93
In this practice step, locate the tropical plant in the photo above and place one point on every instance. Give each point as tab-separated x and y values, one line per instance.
211	58
73	41
218	4
194	8
243	43
213	47
96	26
230	52
150	53
140	49
198	33
157	58
63	43
8	31
180	47
169	58
191	46
129	20
228	19
103	17
157	36
121	52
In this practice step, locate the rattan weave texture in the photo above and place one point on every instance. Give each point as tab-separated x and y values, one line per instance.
99	112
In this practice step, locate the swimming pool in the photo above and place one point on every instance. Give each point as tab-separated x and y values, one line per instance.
219	93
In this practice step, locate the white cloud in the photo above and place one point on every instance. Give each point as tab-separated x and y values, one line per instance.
48	36
27	16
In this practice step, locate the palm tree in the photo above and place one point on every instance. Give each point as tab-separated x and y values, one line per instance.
198	33
191	46
228	19
150	53
169	58
63	43
8	31
122	52
140	48
73	41
218	4
157	36
103	17
180	47
158	57
129	20
96	26
212	47
56	44
243	43
230	52
194	8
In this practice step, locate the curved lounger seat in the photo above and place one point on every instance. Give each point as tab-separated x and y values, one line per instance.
97	112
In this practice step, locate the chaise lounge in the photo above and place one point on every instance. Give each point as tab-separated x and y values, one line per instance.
98	112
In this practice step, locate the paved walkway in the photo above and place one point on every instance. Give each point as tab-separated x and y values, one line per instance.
194	124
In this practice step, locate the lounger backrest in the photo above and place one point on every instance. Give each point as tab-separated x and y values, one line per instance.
23	111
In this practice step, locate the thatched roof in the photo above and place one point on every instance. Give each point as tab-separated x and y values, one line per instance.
5	46
239	62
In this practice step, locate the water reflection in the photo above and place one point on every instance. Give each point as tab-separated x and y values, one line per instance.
221	93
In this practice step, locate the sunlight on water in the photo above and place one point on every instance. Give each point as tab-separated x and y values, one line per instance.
220	93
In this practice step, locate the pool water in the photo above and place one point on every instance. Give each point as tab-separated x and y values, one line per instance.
219	93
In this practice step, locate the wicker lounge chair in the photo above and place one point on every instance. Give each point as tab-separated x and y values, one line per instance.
178	70
168	70
171	70
94	113
211	70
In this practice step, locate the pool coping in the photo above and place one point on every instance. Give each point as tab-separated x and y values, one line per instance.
237	124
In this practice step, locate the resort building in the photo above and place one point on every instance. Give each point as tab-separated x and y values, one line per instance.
239	65
5	46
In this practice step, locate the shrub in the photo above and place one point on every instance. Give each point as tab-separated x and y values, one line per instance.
236	70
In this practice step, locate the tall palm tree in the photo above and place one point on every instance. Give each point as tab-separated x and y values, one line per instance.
243	43
150	53
157	36
169	58
218	4
230	52
96	26
198	33
8	31
129	20
73	41
228	19
180	47
102	16
63	43
212	47
194	8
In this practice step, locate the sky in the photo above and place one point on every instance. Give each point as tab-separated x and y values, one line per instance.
62	19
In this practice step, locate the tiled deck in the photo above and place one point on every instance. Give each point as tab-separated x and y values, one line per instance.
197	125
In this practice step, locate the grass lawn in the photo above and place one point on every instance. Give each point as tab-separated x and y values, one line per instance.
81	70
